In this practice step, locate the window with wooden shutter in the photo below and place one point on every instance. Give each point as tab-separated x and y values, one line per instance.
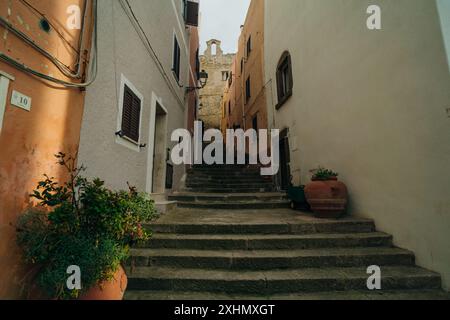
131	115
284	79
249	46
176	59
191	15
248	93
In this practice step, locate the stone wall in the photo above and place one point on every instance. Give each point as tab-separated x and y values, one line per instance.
218	66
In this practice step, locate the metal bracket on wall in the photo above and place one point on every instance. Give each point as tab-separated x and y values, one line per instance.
5	78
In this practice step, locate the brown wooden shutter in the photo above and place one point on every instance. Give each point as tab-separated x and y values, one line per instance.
192	13
131	115
176	58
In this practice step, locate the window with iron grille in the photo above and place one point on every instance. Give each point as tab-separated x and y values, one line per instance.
131	115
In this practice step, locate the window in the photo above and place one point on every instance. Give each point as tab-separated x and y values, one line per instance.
184	9
131	115
255	122
242	65
248	93
230	79
176	58
190	12
249	46
229	108
284	79
225	75
197	64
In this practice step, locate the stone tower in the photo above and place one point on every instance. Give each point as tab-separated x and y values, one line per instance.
218	66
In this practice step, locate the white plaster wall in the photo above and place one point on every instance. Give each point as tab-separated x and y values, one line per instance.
371	105
121	51
444	13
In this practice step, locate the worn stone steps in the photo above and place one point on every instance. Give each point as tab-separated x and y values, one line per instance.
266	260
232	197
233	222
222	189
231	184
267	242
278	281
363	295
235	205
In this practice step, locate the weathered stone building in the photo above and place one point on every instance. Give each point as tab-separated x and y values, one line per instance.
218	66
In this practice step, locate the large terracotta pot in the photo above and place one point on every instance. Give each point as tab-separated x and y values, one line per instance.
109	290
328	199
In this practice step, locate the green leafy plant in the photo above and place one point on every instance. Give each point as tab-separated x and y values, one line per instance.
323	174
80	223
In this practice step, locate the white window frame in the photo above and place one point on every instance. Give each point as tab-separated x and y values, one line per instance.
123	141
5	78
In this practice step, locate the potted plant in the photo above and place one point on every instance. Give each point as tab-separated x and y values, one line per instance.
81	223
327	196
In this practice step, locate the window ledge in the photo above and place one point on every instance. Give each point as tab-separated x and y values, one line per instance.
128	143
283	101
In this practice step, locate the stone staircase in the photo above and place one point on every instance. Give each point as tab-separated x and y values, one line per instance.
234	238
229	187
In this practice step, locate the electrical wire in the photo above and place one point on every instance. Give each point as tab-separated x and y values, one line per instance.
61	66
126	5
42	15
93	69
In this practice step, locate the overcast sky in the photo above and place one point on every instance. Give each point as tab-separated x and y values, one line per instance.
221	20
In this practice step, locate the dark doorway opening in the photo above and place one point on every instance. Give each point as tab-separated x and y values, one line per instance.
285	159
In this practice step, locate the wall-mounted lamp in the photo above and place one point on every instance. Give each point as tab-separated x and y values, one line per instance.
203	78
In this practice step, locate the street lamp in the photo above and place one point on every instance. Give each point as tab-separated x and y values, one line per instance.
203	78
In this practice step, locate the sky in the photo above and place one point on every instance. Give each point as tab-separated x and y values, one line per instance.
222	20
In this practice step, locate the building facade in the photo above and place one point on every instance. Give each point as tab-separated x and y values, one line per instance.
244	102
218	66
370	104
146	63
41	107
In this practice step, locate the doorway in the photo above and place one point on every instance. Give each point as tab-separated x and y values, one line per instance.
157	153
284	176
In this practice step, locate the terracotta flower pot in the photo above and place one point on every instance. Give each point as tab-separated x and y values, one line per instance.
327	198
109	290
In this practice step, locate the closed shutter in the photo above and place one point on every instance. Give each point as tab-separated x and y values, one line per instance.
176	58
192	13
131	115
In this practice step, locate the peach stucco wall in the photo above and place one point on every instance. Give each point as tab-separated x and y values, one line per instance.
29	139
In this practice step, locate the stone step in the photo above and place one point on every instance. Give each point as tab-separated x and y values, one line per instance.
233	186
232	197
267	260
267	242
278	281
264	228
229	189
224	171
412	295
235	205
227	177
230	181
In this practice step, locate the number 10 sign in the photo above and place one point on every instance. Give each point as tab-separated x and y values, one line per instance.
20	100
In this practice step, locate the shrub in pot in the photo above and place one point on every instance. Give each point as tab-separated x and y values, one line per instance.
81	223
327	196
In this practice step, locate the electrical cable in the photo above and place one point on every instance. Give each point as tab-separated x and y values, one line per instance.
42	15
61	66
93	69
160	66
